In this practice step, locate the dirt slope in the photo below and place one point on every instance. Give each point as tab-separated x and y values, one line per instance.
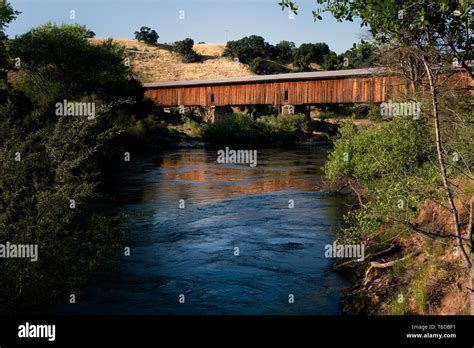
158	63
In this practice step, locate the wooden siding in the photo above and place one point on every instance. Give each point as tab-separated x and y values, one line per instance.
370	89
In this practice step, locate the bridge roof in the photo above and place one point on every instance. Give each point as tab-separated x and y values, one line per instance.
320	75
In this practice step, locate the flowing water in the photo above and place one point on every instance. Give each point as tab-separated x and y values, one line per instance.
235	248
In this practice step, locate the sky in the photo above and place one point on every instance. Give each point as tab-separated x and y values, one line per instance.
211	21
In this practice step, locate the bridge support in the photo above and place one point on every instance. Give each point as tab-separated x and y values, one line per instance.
219	113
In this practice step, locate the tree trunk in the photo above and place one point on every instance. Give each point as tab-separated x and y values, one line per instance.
442	167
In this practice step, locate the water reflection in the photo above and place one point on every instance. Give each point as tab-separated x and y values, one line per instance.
229	210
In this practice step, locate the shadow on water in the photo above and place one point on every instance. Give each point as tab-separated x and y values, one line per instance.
228	210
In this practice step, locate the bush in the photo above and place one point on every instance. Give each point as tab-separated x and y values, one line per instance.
64	158
195	130
149	134
185	49
284	128
374	114
389	148
361	111
261	66
327	115
242	130
237	129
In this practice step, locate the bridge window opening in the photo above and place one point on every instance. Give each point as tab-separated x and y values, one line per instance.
212	97
286	96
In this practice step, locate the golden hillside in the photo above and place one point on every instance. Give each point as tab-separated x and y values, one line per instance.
158	63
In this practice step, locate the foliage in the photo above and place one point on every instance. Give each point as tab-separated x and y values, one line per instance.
89	34
284	128
331	62
194	128
150	133
261	66
242	130
237	129
284	50
249	48
185	49
390	148
63	158
7	14
308	53
360	55
147	35
79	70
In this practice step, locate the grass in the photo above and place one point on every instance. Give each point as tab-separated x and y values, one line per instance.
193	128
158	63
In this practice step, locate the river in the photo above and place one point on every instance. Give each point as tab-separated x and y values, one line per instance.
236	247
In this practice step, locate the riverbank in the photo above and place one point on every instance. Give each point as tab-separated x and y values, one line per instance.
415	275
412	264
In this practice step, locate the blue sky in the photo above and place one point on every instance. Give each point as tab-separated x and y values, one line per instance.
204	20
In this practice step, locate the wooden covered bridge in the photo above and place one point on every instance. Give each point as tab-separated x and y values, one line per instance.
295	89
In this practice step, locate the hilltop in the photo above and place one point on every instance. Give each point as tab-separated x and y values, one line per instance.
154	63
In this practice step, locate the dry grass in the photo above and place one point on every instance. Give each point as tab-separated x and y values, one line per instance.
158	63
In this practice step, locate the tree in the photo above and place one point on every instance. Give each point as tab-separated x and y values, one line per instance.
147	35
284	51
249	48
7	14
185	49
427	33
261	66
89	34
331	62
360	55
314	51
61	159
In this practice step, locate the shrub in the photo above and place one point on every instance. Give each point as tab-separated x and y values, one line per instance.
327	115
284	128
237	129
195	129
361	111
374	114
389	148
185	49
241	129
261	66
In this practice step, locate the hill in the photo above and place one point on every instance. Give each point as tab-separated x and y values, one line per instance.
159	63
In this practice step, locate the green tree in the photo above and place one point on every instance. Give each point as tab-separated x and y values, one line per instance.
249	48
308	53
284	50
7	14
331	61
427	33
89	34
147	35
360	55
62	159
261	66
